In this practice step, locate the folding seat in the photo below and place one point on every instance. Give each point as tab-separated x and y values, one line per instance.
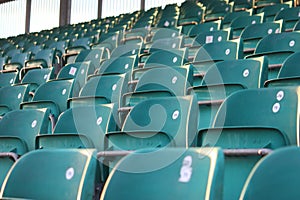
78	72
127	50
204	27
102	89
289	16
230	16
239	23
211	53
8	78
167	43
288	74
33	49
275	176
17	62
75	130
276	52
240	5
60	48
254	121
18	131
218	12
135	35
75	48
189	174
162	58
271	11
161	33
208	37
36	77
12	97
253	33
118	65
67	173
94	56
223	79
157	122
11	52
56	100
265	3
42	59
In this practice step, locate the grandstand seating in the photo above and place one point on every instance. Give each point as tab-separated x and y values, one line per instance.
212	83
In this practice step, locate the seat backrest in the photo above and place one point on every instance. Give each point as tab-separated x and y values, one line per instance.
230	16
37	76
226	50
165	33
25	125
12	96
175	80
211	37
272	10
83	42
170	57
99	122
204	27
68	173
8	78
126	50
289	15
167	43
47	55
276	108
289	69
247	73
118	65
110	87
176	117
275	176
93	55
286	41
61	90
171	173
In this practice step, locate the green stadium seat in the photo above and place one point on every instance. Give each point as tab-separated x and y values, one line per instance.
78	72
276	52
158	122
118	65
43	59
103	89
36	77
56	100
17	62
67	173
240	23
253	33
211	53
274	177
126	50
12	97
289	16
252	119
288	74
3	61
75	130
95	56
169	173
8	77
223	79
230	16
271	11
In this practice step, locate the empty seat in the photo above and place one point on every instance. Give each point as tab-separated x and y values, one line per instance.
75	130
252	34
210	53
158	122
8	78
289	16
56	100
187	173
275	176
95	56
277	52
68	174
78	72
12	97
271	11
223	79
252	119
